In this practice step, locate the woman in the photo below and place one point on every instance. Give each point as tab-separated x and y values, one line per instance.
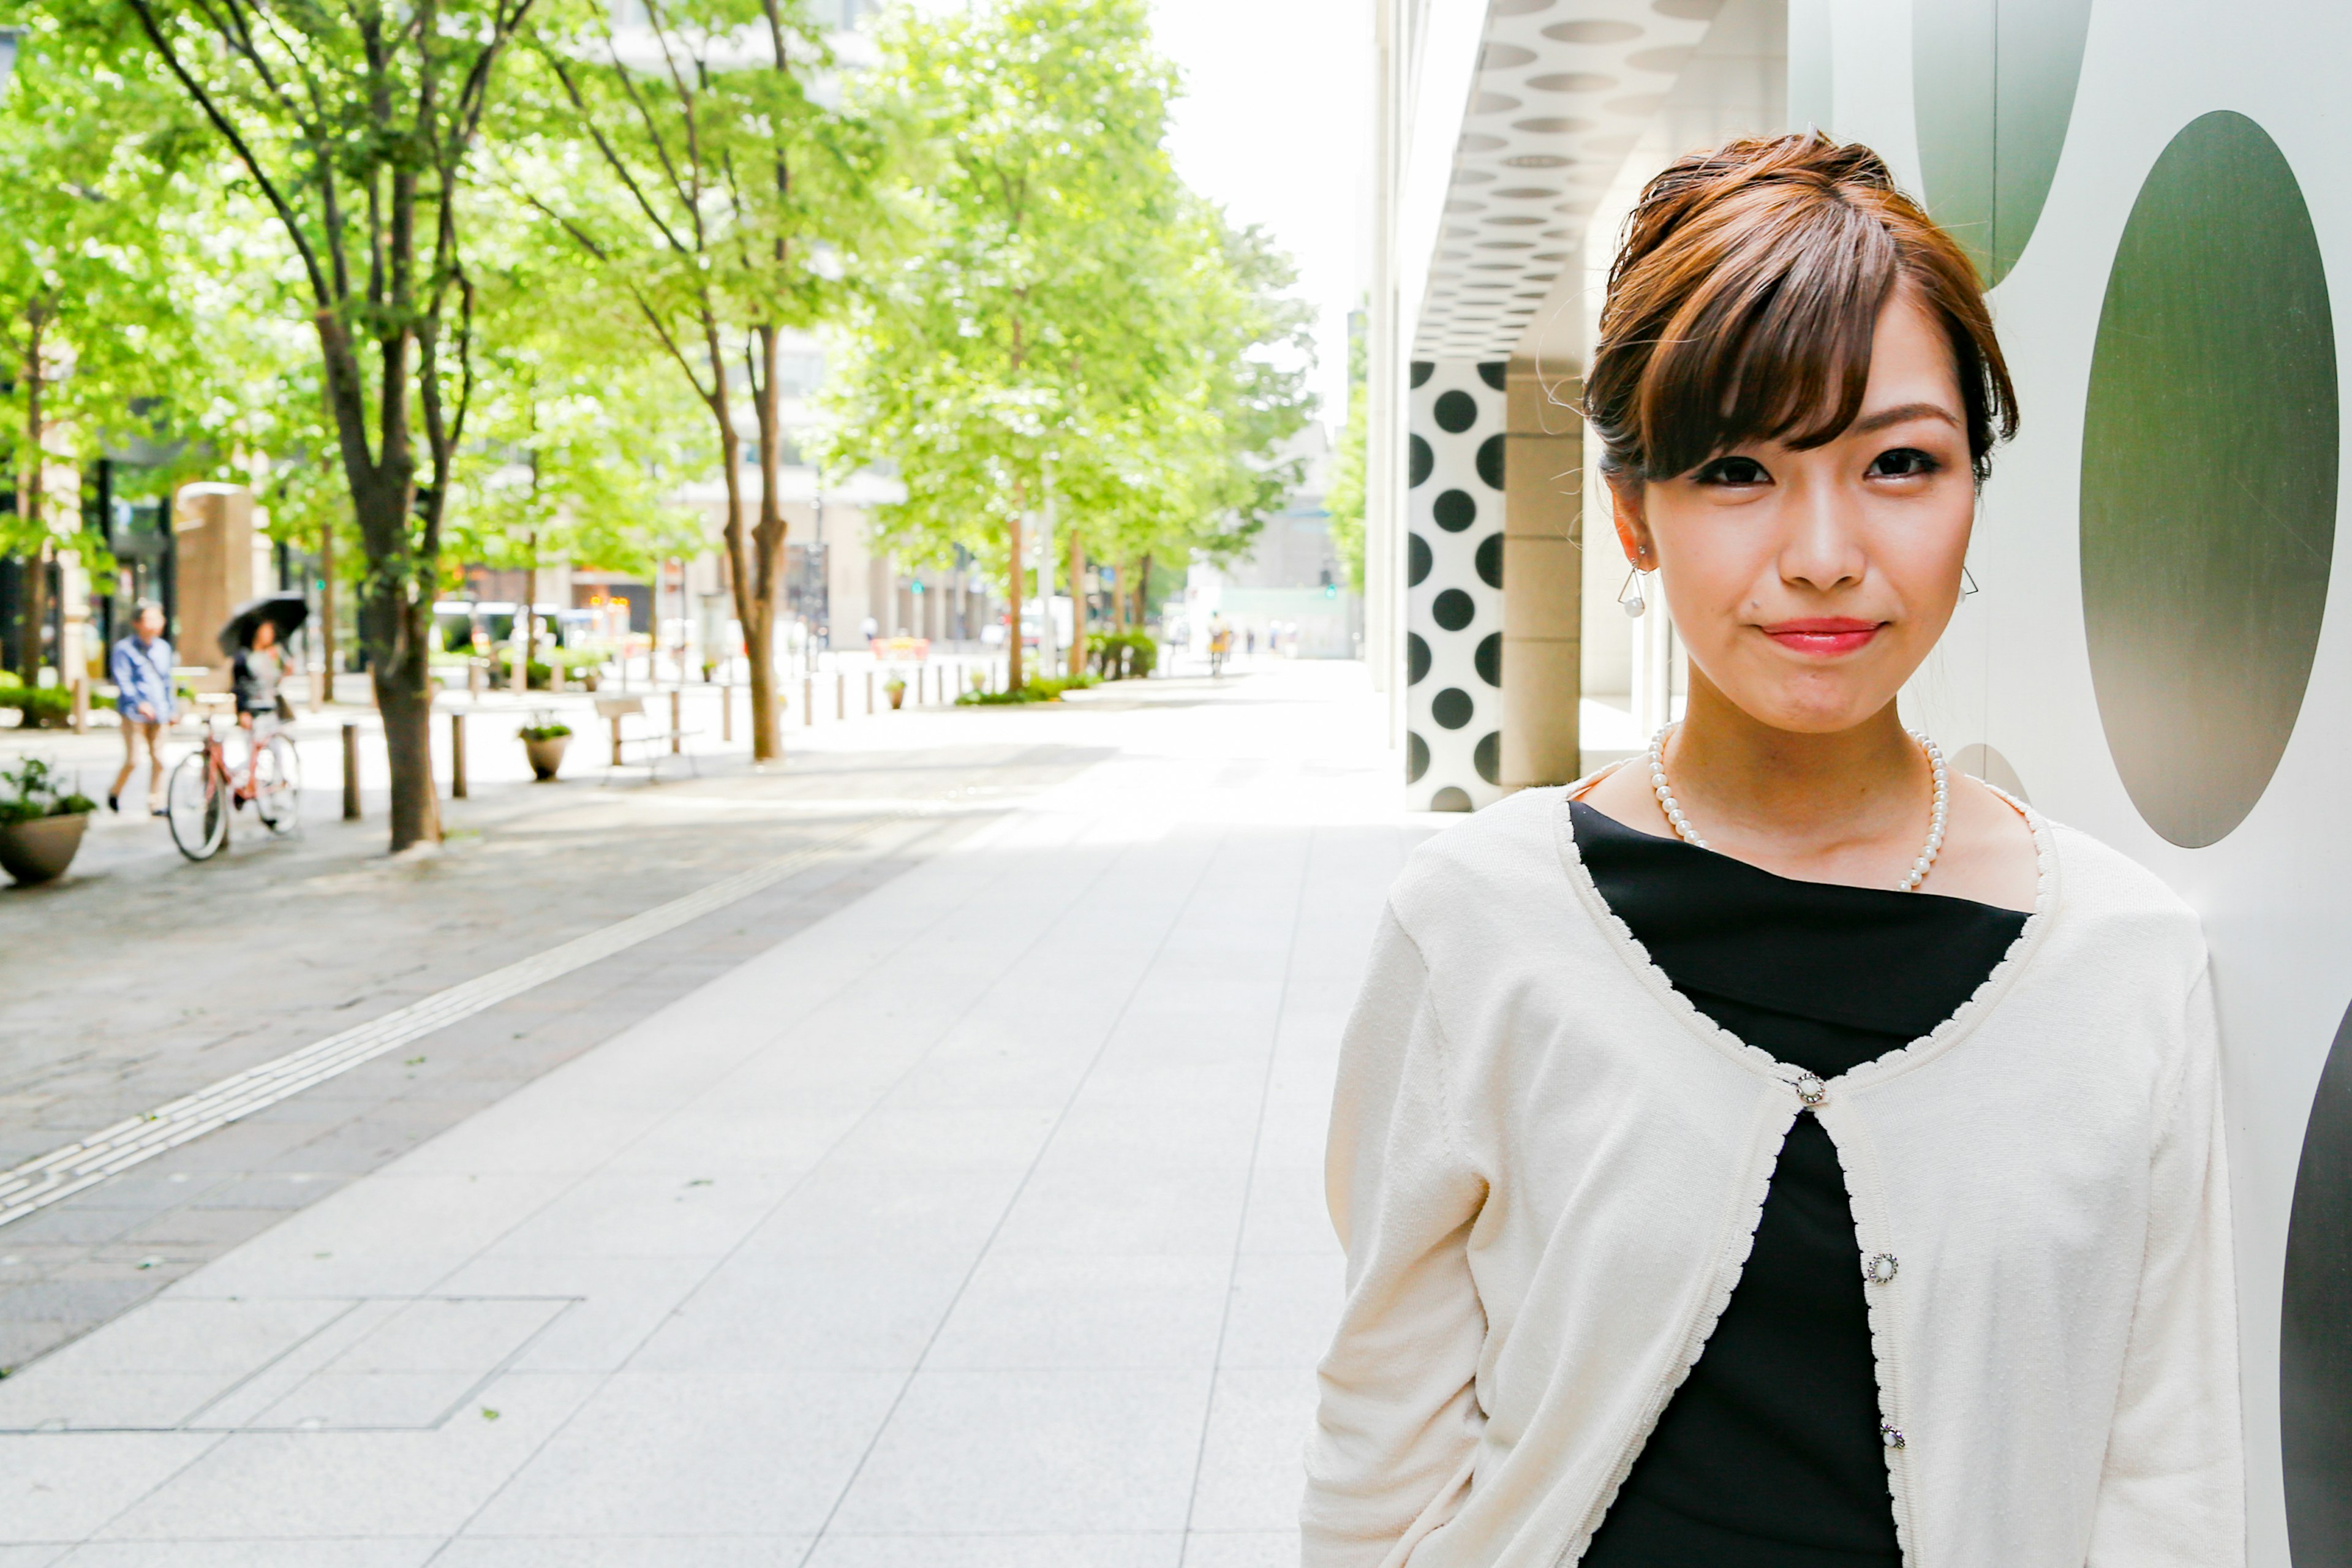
1778	1153
254	676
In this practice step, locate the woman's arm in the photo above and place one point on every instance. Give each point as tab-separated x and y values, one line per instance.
2173	1490
1399	1418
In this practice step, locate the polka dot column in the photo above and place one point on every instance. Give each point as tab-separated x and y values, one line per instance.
1454	593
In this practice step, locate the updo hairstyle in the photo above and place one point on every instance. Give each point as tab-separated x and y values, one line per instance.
1743	304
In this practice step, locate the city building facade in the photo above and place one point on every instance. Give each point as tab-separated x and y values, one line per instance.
2154	193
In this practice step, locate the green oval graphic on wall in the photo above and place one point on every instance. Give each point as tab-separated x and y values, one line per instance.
1993	89
2210	449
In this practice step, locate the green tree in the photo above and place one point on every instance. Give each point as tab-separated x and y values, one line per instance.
1074	342
98	161
357	126
693	161
581	439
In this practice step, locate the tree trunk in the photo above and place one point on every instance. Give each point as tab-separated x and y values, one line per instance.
28	506
1143	592
326	691
1013	597
403	698
758	628
766	542
1077	606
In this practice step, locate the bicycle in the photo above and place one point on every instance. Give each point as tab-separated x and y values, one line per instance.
204	793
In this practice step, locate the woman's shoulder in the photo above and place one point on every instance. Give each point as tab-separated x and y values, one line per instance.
2105	895
1498	859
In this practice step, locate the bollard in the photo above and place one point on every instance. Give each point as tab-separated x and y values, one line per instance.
456	756
840	694
81	706
351	773
808	700
869	694
727	712
676	745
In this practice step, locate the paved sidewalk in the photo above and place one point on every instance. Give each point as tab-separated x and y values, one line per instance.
978	1223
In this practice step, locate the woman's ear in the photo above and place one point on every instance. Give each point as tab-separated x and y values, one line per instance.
1633	528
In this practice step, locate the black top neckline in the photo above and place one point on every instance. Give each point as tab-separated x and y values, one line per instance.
1825	950
1604	824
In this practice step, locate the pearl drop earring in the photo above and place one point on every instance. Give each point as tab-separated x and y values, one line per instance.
1629	597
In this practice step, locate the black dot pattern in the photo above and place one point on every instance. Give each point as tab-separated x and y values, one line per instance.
1454	607
1454	411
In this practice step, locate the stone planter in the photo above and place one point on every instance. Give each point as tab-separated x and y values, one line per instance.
41	849
546	756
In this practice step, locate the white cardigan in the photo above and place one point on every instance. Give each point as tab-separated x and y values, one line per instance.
1547	1167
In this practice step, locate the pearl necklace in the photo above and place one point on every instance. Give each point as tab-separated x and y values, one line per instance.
1920	867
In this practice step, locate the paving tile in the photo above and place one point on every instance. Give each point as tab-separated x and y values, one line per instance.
1241	1549
783	1313
64	1487
342	1485
1284	1308
313	1554
697	1453
620	1552
1035	1452
1252	1465
1023	1310
1016	1550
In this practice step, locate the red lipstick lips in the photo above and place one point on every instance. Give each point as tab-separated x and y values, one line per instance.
1823	636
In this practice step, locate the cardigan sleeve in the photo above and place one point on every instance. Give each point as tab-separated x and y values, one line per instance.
2173	1487
1399	1417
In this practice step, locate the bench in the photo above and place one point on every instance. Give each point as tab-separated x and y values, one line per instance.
651	743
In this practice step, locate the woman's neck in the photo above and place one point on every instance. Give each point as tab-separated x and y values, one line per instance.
1781	794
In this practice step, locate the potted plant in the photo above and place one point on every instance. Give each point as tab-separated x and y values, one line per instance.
544	741
896	687
41	822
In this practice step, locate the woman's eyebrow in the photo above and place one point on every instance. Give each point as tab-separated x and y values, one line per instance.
1901	414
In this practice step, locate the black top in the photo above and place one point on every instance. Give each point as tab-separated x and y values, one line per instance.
1771	1455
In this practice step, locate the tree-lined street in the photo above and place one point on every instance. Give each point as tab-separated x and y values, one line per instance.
971	1214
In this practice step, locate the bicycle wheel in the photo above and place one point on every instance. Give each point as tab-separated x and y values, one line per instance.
198	807
278	786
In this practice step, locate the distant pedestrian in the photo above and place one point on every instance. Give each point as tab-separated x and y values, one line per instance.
141	667
1249	641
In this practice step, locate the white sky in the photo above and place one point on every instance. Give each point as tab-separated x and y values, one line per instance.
1275	125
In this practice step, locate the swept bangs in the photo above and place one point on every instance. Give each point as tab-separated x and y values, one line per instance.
1744	302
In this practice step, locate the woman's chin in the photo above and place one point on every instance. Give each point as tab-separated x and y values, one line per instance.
1812	712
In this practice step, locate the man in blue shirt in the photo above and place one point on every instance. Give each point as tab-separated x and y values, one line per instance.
141	667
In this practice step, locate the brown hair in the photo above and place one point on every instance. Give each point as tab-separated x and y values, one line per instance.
1744	301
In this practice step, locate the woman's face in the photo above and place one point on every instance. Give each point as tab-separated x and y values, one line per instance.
265	636
1807	587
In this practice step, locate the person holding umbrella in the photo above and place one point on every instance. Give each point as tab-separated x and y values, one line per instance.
254	638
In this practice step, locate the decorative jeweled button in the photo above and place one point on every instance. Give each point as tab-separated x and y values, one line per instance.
1890	1434
1811	1088
1879	1267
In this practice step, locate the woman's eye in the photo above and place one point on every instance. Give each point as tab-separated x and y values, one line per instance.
1732	471
1903	463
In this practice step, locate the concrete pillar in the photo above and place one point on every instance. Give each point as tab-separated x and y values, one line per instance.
212	541
1543	571
1454	586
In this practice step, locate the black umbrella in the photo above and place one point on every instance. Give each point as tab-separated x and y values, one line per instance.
286	612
